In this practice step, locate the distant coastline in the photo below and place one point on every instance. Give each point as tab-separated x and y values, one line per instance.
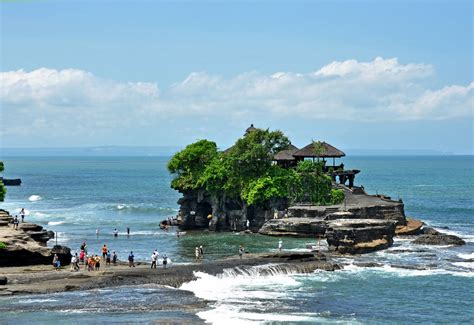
153	151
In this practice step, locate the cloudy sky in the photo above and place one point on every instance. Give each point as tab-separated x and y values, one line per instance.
359	75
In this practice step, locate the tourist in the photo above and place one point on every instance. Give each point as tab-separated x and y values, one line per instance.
165	260
115	232
201	252
97	262
153	260
56	262
74	266
196	252
128	231
90	263
107	258
84	247
97	231
280	244
73	261
15	223
248	224
241	251
114	258
104	251
22	214
81	256
131	259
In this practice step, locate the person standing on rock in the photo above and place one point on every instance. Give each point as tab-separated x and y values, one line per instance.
15	223
22	214
73	262
56	262
153	260
280	244
241	251
201	253
165	261
114	258
107	258
81	256
196	253
104	252
97	262
84	247
131	259
248	224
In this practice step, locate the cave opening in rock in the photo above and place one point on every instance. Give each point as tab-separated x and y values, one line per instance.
204	209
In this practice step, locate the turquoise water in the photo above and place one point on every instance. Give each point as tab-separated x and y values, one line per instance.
74	196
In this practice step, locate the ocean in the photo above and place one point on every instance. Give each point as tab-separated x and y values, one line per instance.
75	196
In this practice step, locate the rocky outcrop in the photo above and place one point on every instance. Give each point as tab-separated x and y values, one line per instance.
433	237
412	227
27	245
359	236
294	227
198	210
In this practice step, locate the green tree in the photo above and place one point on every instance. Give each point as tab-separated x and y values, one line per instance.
246	172
189	164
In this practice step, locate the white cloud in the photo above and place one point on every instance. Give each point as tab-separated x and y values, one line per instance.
77	102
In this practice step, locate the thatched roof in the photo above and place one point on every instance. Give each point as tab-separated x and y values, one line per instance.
286	154
327	151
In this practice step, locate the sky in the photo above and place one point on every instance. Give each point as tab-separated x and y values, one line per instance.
388	75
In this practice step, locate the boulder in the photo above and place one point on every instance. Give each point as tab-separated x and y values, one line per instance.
439	239
413	227
3	280
40	236
359	236
302	227
64	254
27	227
429	231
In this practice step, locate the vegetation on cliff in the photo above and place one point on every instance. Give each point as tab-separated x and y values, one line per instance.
246	172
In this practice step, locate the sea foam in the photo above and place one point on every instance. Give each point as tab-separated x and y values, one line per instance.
34	198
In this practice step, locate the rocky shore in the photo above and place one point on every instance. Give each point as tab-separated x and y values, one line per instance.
43	279
27	244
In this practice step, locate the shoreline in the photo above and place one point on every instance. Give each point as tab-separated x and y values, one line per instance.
40	279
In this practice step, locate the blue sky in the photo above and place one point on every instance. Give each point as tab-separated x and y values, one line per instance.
359	74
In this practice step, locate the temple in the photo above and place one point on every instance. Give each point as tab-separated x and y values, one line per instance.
315	151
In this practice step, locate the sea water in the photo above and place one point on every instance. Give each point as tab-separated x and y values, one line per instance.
75	196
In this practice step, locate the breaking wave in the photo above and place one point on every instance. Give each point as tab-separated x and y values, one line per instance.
34	198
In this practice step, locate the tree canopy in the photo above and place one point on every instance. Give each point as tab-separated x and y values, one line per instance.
246	171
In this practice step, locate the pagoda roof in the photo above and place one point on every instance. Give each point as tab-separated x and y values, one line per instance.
327	151
286	154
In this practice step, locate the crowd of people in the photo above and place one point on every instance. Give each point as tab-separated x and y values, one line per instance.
91	262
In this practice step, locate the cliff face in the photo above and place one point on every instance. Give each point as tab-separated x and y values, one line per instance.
199	210
362	224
